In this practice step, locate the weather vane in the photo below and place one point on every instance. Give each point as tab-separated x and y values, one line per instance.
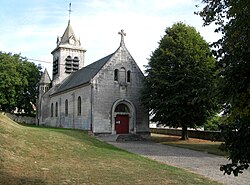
69	10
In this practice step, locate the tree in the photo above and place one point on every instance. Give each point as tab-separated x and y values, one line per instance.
18	83
179	79
10	81
28	94
232	18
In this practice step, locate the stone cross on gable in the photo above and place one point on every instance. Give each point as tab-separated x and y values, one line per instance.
122	33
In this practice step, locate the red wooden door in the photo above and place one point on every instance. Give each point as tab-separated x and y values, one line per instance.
122	124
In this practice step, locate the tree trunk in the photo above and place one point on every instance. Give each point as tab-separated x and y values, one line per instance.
184	134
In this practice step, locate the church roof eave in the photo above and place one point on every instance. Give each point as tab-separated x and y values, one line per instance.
67	46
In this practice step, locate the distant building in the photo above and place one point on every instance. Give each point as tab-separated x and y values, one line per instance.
103	97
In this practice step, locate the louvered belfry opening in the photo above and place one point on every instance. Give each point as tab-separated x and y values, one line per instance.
71	65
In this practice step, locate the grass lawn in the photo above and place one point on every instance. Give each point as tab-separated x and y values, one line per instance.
35	155
193	143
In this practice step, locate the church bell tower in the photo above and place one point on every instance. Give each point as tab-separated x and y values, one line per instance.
68	56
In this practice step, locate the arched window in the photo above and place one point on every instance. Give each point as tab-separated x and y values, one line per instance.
122	75
116	74
66	108
68	64
79	106
56	109
51	110
122	108
128	76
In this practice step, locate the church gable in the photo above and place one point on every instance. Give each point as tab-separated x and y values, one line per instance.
121	68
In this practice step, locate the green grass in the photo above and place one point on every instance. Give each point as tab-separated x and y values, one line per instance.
193	144
34	155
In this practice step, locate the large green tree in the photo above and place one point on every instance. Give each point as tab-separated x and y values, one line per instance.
232	18
179	79
18	83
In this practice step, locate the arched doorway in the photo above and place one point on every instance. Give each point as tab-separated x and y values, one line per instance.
123	117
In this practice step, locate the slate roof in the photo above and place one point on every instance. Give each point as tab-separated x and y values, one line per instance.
83	75
45	79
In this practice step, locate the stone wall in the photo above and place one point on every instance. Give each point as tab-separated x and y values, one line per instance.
208	135
22	119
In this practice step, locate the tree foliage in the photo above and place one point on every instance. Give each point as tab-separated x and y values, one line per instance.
18	83
180	80
232	18
214	123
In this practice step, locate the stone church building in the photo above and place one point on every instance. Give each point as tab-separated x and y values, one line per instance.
103	97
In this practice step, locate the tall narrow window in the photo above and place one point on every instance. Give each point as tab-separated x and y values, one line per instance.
66	108
75	63
128	76
56	109
79	105
55	66
122	75
51	110
116	73
68	64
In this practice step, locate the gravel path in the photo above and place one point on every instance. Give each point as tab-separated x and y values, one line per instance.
198	162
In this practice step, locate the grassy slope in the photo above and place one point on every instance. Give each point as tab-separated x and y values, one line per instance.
31	155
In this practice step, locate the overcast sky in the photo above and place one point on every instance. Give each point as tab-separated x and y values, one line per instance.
31	27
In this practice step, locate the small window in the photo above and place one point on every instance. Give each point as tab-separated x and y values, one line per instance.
79	105
56	109
51	109
66	108
128	76
116	73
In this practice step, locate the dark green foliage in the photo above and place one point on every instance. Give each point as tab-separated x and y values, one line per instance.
18	83
214	123
237	139
180	79
233	53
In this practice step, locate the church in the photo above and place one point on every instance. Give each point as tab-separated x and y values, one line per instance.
103	97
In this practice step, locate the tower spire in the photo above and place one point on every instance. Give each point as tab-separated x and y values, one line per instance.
69	10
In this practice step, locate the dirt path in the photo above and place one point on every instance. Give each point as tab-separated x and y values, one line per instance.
198	162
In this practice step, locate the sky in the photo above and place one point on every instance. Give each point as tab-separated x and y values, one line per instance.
30	28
